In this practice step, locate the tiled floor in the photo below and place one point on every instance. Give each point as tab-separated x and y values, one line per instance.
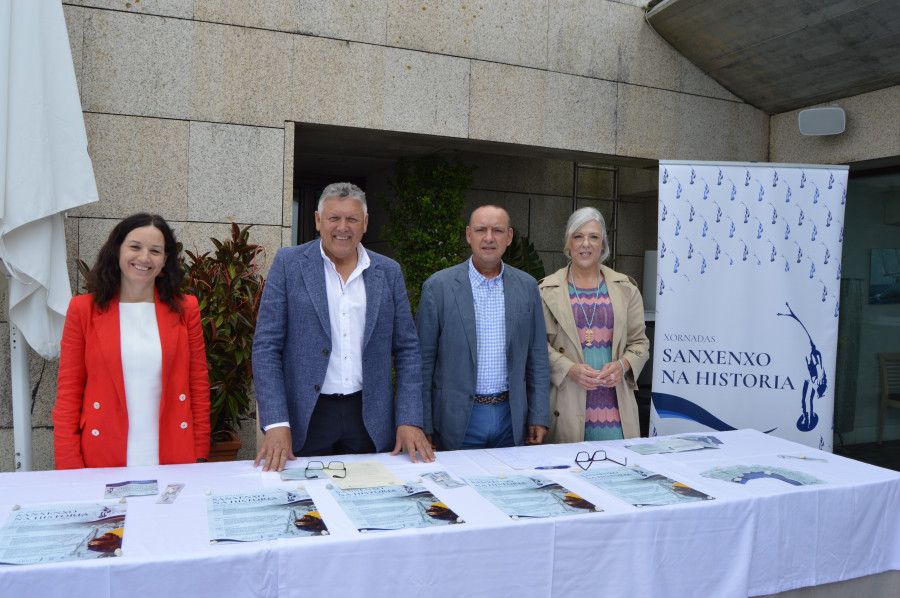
887	455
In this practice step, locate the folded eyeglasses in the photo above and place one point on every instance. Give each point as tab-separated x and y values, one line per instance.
336	467
585	459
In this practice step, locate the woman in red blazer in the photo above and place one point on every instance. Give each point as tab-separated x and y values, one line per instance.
123	398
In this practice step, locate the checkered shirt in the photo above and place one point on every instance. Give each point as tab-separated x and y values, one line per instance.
490	332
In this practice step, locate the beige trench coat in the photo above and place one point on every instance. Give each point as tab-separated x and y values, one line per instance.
567	399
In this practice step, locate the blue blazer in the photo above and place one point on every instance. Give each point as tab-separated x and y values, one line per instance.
292	346
445	320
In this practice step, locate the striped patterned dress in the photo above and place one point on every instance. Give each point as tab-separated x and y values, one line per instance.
601	418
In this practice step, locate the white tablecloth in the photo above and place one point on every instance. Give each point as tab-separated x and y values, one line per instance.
753	539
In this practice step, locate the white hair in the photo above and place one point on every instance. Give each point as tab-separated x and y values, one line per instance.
342	190
581	217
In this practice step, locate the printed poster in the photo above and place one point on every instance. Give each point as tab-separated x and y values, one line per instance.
530	496
62	532
394	507
747	299
742	474
262	514
643	488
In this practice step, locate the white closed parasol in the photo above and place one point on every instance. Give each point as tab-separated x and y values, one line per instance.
45	171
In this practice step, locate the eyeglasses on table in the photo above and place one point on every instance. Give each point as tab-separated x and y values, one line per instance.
336	467
585	459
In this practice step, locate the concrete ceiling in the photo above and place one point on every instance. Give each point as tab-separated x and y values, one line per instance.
328	150
781	55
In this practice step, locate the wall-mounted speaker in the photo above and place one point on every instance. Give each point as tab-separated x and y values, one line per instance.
828	120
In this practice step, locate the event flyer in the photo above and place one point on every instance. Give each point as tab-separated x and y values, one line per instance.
678	444
741	474
62	532
130	488
394	507
262	514
643	488
530	496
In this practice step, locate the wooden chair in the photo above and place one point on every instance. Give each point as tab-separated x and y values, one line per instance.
890	386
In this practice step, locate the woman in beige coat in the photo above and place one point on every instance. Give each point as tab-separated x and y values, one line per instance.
595	338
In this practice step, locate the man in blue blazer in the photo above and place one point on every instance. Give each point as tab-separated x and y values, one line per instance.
332	318
485	371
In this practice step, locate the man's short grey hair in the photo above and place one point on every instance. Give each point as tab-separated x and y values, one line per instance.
342	190
581	217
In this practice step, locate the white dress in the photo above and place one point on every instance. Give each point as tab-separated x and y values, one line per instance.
142	370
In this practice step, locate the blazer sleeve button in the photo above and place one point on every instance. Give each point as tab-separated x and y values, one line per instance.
183	425
562	349
324	351
95	432
182	397
556	413
316	387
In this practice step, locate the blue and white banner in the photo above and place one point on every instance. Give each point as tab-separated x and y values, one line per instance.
748	278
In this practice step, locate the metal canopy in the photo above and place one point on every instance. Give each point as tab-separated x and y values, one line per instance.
781	55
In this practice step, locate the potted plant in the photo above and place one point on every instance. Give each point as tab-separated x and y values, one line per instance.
228	286
521	254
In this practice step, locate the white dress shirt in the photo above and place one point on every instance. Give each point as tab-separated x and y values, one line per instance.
142	371
347	315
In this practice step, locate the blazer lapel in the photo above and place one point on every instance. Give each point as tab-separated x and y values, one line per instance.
618	305
108	336
560	306
311	270
465	303
373	278
511	306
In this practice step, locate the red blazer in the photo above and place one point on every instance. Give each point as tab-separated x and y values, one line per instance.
90	419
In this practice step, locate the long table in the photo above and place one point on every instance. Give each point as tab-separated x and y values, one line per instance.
758	538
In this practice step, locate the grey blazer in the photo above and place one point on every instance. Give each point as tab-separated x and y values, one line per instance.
293	343
446	323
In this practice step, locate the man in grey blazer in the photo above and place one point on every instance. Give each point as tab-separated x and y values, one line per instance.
332	317
485	371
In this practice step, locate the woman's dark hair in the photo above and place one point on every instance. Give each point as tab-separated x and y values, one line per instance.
104	278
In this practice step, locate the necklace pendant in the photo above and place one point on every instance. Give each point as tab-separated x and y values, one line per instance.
589	337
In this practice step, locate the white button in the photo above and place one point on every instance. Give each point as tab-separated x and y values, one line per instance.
183	425
181	397
95	432
96	405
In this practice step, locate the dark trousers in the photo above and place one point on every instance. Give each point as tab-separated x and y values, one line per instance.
336	427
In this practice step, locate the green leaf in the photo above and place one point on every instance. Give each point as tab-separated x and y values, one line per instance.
521	254
228	286
426	227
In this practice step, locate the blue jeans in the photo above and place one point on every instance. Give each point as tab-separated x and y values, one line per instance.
490	426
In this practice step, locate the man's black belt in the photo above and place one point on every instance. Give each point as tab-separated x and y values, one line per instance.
340	397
